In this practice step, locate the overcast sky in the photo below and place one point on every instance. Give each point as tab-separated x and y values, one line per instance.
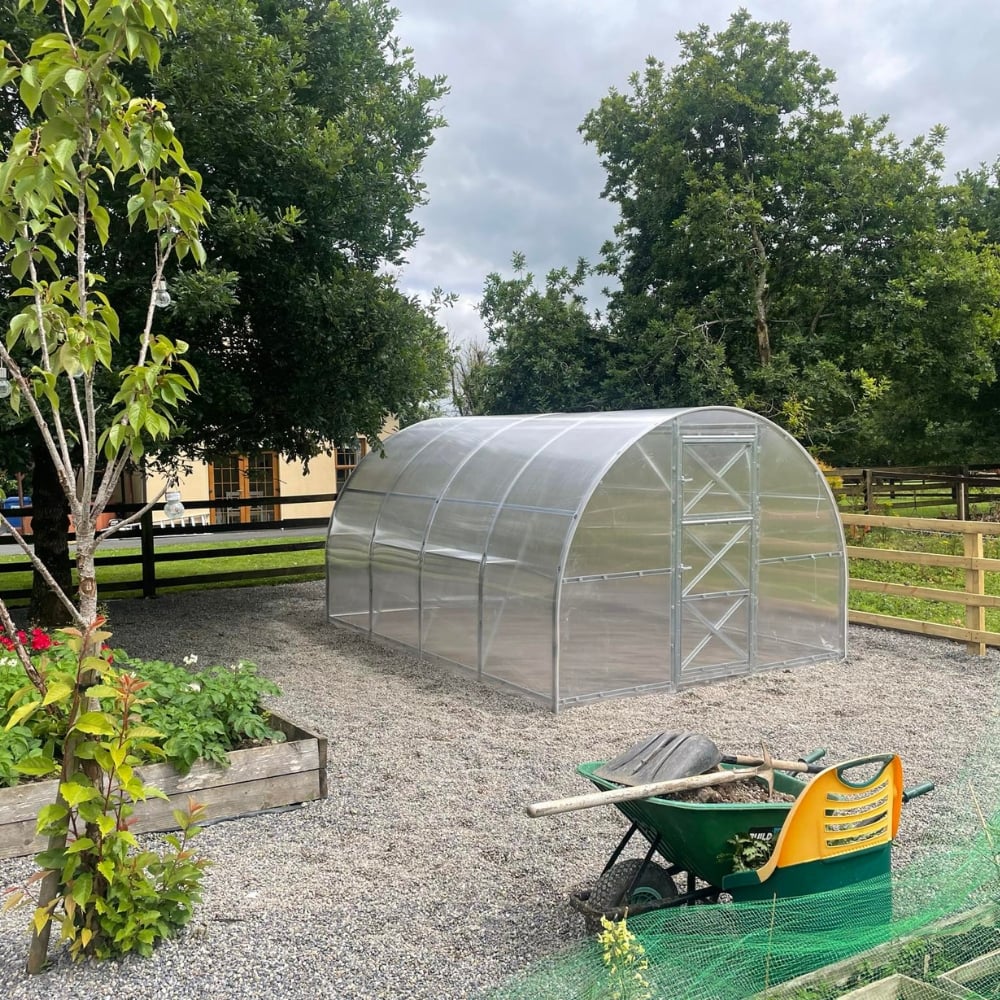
511	172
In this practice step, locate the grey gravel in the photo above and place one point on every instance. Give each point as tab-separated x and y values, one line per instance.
421	877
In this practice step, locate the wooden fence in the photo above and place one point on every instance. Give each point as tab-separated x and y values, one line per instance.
973	598
899	489
154	527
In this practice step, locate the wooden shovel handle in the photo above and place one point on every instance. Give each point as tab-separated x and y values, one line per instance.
628	794
798	766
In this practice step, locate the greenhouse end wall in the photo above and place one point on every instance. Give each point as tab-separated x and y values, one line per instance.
573	557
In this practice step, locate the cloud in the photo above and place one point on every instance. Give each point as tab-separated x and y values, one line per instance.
511	172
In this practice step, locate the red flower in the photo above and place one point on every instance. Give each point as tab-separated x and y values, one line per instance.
40	641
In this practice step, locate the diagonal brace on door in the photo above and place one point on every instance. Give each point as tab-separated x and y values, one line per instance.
715	477
713	629
714	558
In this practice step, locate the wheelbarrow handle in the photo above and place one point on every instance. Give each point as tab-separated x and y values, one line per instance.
922	789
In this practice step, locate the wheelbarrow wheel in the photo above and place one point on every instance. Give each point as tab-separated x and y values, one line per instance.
615	887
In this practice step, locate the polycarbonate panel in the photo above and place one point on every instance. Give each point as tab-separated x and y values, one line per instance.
519	586
800	611
568	468
440	458
714	637
486	475
347	560
455	543
601	618
627	525
377	472
396	567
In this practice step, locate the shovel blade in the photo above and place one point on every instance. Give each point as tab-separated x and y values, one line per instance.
662	756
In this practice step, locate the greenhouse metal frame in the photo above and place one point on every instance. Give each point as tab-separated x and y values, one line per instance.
573	557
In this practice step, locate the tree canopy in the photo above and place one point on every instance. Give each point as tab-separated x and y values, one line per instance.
773	254
308	123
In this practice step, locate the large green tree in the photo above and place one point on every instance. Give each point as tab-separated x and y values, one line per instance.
308	123
547	353
773	254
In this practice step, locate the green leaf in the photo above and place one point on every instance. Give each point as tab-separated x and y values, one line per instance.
21	713
36	767
76	80
102	691
83	885
54	812
57	691
95	723
77	846
75	794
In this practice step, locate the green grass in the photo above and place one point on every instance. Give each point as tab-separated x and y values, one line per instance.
908	574
310	562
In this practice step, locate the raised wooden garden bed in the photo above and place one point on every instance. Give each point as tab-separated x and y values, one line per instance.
260	778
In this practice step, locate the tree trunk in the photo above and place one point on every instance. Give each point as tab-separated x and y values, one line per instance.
760	301
50	525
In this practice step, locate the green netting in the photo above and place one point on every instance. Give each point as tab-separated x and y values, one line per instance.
928	930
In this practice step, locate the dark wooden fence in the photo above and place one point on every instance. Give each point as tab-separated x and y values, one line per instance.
153	527
964	490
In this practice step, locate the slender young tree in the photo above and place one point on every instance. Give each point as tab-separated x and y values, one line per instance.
86	152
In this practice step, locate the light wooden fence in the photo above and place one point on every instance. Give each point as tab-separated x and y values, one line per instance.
974	597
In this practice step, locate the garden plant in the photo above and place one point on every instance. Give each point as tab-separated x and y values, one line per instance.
99	396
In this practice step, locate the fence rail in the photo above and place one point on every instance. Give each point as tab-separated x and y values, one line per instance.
154	527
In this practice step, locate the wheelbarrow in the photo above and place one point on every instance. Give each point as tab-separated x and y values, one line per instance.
830	832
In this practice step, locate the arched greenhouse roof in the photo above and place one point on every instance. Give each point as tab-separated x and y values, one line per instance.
580	556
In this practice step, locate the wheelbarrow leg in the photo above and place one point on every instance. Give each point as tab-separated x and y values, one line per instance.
622	844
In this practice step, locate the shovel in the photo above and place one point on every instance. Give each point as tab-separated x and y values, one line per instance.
666	752
765	770
673	753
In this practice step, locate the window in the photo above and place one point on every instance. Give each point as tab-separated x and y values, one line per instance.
244	477
348	457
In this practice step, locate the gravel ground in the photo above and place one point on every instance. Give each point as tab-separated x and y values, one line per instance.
421	877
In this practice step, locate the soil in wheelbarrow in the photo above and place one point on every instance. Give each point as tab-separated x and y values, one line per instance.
736	791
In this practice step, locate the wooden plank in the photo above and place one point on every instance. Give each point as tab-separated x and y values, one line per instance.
975	583
922	523
922	558
245	765
925	593
266	777
230	801
923	628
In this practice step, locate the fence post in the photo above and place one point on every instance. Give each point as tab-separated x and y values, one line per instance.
148	555
962	500
868	480
975	580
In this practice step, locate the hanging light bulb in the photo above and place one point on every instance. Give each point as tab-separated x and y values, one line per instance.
161	297
173	508
5	389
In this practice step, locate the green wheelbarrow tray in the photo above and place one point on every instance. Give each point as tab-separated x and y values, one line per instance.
692	835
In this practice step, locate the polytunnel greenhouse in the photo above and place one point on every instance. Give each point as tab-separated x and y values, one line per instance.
573	557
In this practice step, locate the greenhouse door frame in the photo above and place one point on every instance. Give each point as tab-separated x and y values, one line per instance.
726	543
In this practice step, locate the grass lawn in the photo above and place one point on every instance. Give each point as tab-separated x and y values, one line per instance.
311	562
